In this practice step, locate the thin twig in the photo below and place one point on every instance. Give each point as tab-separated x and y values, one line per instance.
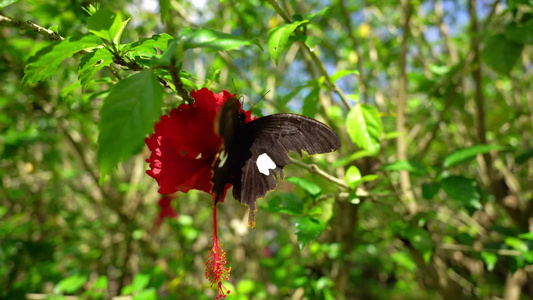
29	25
178	83
314	169
464	248
401	143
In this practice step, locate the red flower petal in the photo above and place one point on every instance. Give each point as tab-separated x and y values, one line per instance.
185	144
165	210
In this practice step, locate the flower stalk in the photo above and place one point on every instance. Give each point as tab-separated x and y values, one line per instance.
216	268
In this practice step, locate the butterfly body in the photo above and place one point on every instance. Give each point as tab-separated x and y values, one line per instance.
253	154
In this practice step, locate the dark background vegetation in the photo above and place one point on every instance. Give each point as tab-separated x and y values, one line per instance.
444	212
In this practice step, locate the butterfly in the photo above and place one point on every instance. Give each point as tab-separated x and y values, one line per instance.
253	154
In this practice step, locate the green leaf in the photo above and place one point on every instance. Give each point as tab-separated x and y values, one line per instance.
45	62
462	155
164	8
311	83
324	13
419	238
246	286
520	33
353	176
4	3
489	259
364	127
149	294
352	157
463	190
278	38
107	25
205	38
307	230
92	63
339	74
310	106
429	190
501	54
516	244
140	282
127	115
404	260
526	236
524	156
309	187
440	70
147	47
101	283
405	165
287	203
71	284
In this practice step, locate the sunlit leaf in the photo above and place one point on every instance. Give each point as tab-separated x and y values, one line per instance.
71	284
339	74
127	115
404	260
45	63
139	283
107	25
307	230
309	187
246	286
489	259
463	155
148	294
4	3
190	38
364	127
324	13
526	236
288	203
147	47
353	176
278	38
516	244
101	283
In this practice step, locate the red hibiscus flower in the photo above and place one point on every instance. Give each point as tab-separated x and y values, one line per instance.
185	144
184	147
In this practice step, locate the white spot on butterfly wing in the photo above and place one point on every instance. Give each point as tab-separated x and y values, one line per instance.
265	164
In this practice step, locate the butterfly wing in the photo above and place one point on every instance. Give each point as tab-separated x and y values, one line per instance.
275	136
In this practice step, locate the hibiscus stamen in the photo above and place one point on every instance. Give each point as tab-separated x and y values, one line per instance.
216	268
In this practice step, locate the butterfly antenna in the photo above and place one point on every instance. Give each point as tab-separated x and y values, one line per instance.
234	86
262	97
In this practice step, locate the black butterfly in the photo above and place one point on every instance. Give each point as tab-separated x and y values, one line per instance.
254	153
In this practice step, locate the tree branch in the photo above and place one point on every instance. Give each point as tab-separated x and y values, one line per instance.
29	25
401	144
